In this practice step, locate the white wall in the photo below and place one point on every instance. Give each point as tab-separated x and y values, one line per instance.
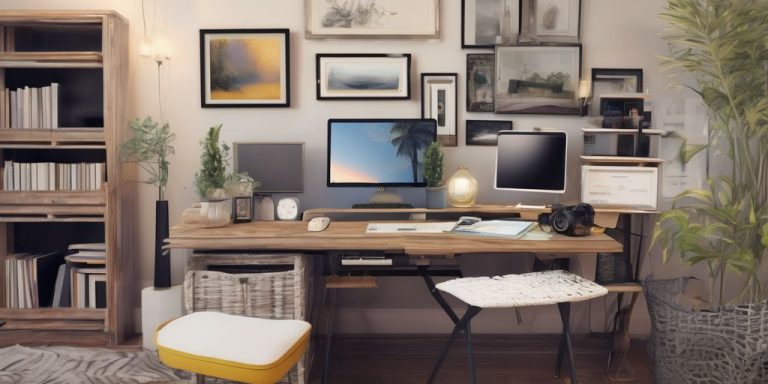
615	33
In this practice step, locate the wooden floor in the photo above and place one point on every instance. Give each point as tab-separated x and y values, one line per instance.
500	359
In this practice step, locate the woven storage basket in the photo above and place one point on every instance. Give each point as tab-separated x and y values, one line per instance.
698	347
280	294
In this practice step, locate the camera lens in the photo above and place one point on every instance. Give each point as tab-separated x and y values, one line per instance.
561	221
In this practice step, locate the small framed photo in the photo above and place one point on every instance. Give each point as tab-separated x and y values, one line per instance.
485	23
538	80
480	71
363	76
245	68
612	82
242	209
438	101
376	18
550	21
485	132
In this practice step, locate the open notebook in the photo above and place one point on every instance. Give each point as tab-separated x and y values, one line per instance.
465	225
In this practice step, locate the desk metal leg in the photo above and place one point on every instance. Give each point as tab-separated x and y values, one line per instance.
462	325
565	341
424	271
330	305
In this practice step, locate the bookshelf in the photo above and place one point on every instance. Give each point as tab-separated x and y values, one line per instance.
50	197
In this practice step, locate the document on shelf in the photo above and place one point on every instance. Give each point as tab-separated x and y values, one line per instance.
513	229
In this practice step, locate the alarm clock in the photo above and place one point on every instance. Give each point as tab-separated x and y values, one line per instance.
288	208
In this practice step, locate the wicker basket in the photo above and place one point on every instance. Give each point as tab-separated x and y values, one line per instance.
729	346
278	288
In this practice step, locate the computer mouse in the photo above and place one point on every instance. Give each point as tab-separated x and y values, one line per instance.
318	224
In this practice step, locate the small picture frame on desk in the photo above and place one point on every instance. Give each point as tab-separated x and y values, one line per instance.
242	209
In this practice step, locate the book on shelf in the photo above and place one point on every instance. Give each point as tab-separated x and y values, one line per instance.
30	279
48	176
30	107
81	278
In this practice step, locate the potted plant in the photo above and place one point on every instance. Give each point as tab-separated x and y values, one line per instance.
209	180
724	226
433	174
150	145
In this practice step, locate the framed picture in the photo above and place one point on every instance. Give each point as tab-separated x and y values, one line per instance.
245	68
379	18
538	80
363	76
550	21
485	23
438	101
614	81
480	82
485	132
242	209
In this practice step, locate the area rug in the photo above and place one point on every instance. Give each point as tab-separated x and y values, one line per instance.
70	365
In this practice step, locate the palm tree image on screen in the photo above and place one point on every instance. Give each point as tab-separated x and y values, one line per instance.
409	139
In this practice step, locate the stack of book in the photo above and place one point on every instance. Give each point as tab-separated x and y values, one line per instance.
52	176
30	279
88	275
30	108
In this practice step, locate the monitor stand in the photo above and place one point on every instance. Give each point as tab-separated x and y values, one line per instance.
384	198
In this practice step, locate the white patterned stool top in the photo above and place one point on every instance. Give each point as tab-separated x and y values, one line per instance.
527	289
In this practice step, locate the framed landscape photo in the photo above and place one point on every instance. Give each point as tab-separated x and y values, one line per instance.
480	73
614	81
485	23
372	18
438	101
485	132
550	21
342	76
538	80
244	68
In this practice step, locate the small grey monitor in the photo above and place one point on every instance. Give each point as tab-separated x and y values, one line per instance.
278	166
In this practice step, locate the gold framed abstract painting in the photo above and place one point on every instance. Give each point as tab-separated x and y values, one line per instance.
244	68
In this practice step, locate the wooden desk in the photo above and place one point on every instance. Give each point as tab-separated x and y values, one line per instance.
350	235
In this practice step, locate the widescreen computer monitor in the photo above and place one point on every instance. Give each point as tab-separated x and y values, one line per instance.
378	152
278	166
533	161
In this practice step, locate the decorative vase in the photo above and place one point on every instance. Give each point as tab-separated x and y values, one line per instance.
162	256
462	188
216	213
436	197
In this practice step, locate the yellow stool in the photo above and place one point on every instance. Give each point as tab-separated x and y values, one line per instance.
239	348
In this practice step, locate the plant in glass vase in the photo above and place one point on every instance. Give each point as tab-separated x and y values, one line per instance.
433	174
150	146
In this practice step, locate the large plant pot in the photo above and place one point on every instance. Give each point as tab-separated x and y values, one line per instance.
436	197
215	213
162	256
689	346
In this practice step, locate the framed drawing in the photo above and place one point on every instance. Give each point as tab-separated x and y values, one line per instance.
244	68
485	23
342	76
550	21
538	80
438	101
614	81
480	82
485	132
377	18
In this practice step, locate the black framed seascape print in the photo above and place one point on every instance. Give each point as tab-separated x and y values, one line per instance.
372	18
438	101
342	76
538	80
485	132
245	68
486	23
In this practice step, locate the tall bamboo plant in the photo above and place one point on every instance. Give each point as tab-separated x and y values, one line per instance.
724	45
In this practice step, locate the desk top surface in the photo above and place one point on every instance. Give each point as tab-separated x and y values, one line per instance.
350	235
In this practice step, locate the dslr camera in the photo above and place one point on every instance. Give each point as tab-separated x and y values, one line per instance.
574	220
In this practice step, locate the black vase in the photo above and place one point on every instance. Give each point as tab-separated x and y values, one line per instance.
162	256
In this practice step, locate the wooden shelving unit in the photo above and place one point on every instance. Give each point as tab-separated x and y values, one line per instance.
37	48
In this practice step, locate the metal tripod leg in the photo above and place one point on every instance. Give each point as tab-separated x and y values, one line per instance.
424	271
461	325
565	341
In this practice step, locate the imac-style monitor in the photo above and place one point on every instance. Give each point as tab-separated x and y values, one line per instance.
378	152
534	161
278	166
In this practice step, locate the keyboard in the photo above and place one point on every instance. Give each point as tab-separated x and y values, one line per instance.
382	205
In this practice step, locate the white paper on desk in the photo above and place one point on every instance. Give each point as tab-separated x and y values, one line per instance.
406	227
504	228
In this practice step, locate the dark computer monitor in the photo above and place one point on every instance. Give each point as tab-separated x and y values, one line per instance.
278	166
534	161
378	152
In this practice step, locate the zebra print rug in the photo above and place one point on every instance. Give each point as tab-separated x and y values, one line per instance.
70	365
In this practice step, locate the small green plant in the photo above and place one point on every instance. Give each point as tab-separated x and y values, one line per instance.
150	146
433	165
209	181
240	184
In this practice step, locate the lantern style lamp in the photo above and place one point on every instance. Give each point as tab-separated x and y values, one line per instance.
462	188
